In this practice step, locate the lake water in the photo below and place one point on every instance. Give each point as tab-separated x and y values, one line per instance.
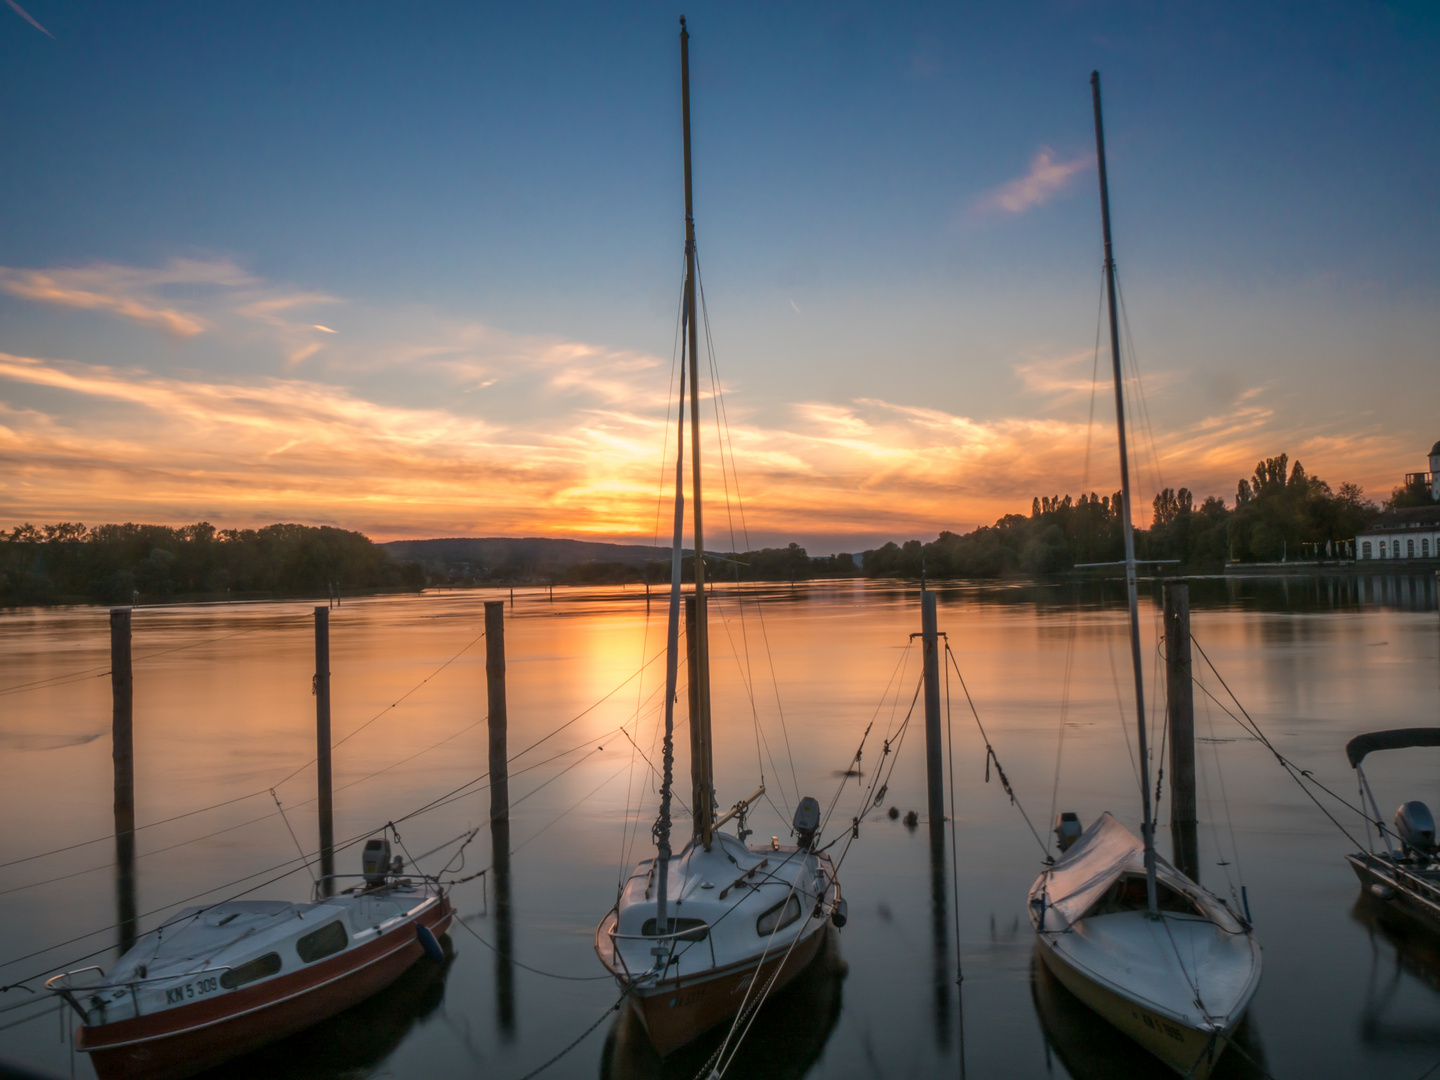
223	711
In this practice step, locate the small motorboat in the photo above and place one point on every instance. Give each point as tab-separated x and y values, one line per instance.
219	981
1176	978
1407	872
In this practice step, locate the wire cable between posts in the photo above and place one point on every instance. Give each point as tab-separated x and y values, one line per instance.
253	794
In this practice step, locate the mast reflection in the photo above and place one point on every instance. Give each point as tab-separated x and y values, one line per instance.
504	930
939	936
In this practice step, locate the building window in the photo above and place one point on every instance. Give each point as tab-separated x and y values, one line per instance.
1365	549
1383	552
1425	546
1410	547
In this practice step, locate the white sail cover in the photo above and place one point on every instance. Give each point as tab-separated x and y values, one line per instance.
1092	864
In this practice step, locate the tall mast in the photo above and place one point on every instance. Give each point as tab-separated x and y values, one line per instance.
701	754
1148	828
672	663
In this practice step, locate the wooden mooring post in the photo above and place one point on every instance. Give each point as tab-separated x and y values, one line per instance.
122	730
500	816
1180	710
322	749
934	749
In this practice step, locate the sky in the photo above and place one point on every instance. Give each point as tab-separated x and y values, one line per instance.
415	269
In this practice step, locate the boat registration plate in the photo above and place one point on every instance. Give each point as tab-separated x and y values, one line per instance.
190	990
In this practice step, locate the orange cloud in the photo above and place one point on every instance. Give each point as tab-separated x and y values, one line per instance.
169	449
412	425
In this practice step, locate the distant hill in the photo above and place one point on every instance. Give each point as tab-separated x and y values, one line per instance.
497	552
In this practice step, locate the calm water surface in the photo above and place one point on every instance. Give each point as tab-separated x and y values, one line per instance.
223	711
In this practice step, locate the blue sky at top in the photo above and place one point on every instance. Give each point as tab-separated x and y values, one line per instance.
1273	168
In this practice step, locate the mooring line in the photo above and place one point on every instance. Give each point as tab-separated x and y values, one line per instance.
251	795
578	1040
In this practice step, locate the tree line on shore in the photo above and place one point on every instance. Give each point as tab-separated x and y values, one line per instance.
118	564
1280	511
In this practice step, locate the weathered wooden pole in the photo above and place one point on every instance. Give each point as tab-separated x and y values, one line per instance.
1180	709
500	816
934	751
122	723
322	750
495	679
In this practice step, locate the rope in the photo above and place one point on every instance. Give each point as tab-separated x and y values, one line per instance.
443	800
250	795
101	670
394	704
990	755
723	421
243	824
533	970
1291	769
581	1038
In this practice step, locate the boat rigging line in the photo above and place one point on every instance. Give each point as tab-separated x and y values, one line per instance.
1292	770
253	794
990	756
101	670
338	847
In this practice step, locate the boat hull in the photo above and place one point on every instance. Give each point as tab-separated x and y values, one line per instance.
1413	894
183	1041
678	1011
1189	1051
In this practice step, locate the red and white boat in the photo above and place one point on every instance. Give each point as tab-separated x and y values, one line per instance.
216	982
740	918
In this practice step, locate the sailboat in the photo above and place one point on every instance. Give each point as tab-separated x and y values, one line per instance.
704	935
1149	950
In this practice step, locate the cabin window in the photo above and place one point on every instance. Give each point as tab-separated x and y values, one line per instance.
1365	549
778	917
326	941
1130	894
259	968
686	929
1410	547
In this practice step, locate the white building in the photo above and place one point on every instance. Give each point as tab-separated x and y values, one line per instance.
1412	533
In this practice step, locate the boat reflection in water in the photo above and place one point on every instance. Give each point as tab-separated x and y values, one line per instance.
1416	952
1090	1049
787	1037
357	1040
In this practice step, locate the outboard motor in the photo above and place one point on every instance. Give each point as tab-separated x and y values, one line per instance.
1416	828
807	820
1067	829
375	861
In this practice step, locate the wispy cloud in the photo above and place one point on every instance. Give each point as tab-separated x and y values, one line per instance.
29	18
414	424
185	297
1046	179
